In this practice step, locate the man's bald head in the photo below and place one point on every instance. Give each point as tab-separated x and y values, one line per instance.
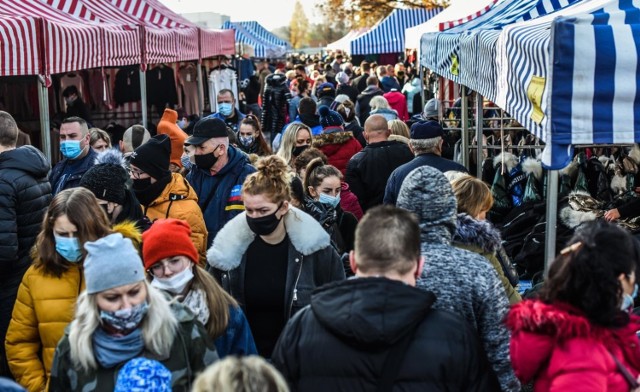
376	129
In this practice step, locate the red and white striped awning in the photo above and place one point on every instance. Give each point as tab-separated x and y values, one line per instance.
19	46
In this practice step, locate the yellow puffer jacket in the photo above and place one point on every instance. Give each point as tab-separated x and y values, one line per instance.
179	201
44	306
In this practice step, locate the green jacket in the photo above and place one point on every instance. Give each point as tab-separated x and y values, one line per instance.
192	351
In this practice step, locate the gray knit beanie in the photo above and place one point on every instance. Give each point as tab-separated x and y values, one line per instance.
427	193
111	261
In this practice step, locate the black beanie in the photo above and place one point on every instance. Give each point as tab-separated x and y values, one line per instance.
108	177
153	156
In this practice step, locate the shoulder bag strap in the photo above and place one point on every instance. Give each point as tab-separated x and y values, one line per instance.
628	377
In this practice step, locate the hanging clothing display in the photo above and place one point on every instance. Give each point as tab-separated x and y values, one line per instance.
74	79
161	88
222	77
188	83
127	85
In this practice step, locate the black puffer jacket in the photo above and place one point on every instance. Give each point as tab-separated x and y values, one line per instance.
25	194
341	341
275	100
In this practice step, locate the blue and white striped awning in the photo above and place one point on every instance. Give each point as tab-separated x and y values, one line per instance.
258	30
261	47
588	85
388	35
466	53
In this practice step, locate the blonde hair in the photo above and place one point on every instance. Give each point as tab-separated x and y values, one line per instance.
218	301
270	180
379	102
398	127
99	134
240	374
159	328
474	196
289	137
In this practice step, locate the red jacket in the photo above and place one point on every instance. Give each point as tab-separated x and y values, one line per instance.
398	102
349	201
558	348
338	145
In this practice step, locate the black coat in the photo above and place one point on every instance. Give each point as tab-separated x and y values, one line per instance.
363	107
349	91
341	341
80	166
368	171
275	104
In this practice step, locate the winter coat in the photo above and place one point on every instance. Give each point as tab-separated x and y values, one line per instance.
220	196
239	116
349	201
388	114
388	83
44	307
368	171
360	82
558	348
357	130
78	168
191	352
397	177
237	339
341	341
463	281
482	238
362	103
312	261
274	103
349	91
398	102
178	200
338	145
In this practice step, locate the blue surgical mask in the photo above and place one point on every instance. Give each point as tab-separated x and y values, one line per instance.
246	140
186	162
182	123
628	300
225	109
70	149
333	201
69	248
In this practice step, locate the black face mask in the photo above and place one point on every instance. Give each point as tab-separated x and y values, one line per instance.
298	150
140	185
264	225
206	161
400	74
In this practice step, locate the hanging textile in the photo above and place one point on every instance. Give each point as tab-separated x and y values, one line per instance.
188	84
220	78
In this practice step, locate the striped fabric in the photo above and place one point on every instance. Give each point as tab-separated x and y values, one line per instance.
453	23
19	54
261	48
256	29
387	36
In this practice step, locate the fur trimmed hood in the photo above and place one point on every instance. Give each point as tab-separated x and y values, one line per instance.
558	321
572	218
510	160
478	233
532	166
233	240
326	138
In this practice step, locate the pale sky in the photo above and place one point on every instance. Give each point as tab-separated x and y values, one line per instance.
270	14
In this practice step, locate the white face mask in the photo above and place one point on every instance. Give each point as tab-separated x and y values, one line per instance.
175	284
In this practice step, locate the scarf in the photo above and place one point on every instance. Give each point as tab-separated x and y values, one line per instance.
196	301
153	191
111	350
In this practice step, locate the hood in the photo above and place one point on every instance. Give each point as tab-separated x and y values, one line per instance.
177	189
170	115
129	230
236	157
233	240
477	233
384	111
399	138
372	90
27	159
427	193
370	312
510	161
275	80
310	120
394	98
330	136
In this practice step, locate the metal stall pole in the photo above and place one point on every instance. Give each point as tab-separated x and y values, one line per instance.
45	131
479	114
421	73
552	214
465	126
143	97
200	92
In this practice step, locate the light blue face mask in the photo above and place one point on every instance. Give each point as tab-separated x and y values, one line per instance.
69	248
182	123
186	162
628	300
225	109
70	149
333	201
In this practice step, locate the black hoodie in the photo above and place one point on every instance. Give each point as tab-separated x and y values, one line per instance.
351	326
25	194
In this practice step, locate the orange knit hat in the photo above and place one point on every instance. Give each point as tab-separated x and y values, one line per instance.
167	126
167	238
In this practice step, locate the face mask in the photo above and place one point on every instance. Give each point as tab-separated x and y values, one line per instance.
206	161
186	162
264	225
175	284
182	124
246	140
70	149
69	248
141	184
125	320
333	201
400	74
225	109
294	93
298	150
628	300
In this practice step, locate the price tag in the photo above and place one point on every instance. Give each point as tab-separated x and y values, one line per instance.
534	93
455	66
188	77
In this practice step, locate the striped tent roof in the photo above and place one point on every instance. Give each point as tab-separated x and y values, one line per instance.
261	48
344	43
458	12
259	31
466	53
19	45
573	78
387	36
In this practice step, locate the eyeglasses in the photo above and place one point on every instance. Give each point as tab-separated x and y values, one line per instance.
136	173
175	265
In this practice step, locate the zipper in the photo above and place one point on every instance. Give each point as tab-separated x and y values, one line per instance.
295	285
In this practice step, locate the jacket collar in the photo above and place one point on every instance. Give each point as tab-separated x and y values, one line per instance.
473	232
233	240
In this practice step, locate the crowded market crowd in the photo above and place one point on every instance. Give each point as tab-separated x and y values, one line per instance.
313	234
